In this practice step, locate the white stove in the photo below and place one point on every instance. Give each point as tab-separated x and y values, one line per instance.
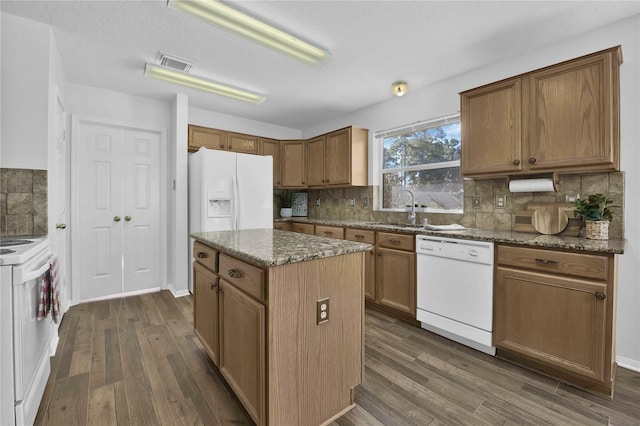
26	341
17	250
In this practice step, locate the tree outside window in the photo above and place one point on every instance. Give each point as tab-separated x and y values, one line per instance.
426	161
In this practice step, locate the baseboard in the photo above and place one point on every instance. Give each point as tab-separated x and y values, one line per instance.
119	295
178	293
628	363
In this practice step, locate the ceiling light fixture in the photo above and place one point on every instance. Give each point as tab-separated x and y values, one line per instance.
239	22
167	74
399	88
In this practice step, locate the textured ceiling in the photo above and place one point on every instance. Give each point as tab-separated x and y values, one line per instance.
105	44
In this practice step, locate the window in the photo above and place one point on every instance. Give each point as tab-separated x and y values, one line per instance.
425	159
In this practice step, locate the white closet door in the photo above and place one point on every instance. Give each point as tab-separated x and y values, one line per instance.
100	206
118	181
141	227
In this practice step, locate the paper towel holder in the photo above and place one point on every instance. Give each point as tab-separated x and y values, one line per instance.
555	177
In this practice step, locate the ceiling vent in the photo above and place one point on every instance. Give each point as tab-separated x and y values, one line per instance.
174	62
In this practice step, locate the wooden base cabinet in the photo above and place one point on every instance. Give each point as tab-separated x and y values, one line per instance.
395	271
242	348
554	313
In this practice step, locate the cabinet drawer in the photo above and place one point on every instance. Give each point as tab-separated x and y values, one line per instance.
396	241
303	228
283	226
330	231
360	235
205	255
575	264
246	277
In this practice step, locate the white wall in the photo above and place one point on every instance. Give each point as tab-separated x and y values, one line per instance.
25	93
201	117
442	99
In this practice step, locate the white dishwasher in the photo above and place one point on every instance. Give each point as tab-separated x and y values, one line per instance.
455	289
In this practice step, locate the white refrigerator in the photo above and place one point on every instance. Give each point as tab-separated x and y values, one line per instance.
229	191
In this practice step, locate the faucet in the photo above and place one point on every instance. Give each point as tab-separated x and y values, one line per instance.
412	213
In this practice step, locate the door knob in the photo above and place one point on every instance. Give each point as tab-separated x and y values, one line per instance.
116	218
127	218
61	226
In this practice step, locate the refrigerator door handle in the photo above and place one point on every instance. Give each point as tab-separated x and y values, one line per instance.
236	203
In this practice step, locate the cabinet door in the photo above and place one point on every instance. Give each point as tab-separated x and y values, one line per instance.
338	157
395	280
574	114
316	161
204	137
303	228
558	321
246	144
205	309
491	128
293	164
370	274
242	348
272	147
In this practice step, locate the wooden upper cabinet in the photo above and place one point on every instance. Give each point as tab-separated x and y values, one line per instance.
246	144
339	158
562	118
271	147
315	161
200	137
292	163
491	128
575	114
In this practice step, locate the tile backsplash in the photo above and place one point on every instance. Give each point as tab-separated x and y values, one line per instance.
337	203
23	202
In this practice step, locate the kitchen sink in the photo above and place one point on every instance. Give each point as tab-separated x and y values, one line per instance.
395	225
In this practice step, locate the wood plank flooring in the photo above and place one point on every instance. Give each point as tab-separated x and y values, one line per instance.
136	361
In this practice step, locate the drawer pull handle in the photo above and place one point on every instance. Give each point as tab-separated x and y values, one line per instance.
328	233
359	236
234	273
547	262
394	241
600	295
202	255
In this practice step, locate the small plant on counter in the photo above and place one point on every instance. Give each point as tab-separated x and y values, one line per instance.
286	199
595	207
595	212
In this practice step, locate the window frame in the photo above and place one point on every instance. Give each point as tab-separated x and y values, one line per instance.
379	137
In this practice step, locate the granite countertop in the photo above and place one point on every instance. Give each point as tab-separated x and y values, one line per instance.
612	246
271	247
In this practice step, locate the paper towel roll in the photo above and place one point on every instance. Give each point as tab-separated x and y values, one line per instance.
532	185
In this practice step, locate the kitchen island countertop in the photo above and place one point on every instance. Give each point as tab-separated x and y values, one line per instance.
271	247
612	246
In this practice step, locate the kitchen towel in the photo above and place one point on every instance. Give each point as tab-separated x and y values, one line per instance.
532	185
43	301
54	298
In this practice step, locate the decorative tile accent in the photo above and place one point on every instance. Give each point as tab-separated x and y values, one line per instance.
23	202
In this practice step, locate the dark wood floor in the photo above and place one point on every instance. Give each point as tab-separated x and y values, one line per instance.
135	361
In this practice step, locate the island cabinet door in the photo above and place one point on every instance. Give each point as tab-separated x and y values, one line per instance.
242	348
396	284
558	321
205	310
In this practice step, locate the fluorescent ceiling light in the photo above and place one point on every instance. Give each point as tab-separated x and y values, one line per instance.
221	14
167	74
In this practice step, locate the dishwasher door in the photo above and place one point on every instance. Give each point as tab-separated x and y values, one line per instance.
455	289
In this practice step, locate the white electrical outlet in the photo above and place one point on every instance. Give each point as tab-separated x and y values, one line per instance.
317	202
501	201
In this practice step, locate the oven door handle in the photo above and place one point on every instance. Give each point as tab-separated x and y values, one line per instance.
35	274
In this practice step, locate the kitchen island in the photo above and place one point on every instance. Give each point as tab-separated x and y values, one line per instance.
282	316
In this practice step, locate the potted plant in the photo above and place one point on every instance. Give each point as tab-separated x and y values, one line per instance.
595	212
286	200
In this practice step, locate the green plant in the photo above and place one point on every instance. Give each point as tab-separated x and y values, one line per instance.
286	199
595	207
